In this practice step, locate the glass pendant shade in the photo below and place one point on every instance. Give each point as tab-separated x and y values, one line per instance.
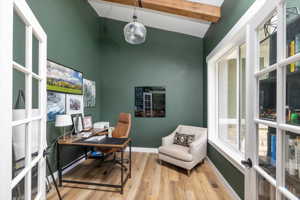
135	32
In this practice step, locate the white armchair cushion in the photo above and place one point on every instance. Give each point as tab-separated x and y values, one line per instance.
177	151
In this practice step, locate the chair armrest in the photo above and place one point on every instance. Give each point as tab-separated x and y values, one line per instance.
198	148
168	140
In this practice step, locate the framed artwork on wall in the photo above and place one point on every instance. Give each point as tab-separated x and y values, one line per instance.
74	104
150	101
56	105
89	93
63	79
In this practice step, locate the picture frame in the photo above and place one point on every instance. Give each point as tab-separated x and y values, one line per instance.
74	104
77	120
88	122
150	101
56	105
89	93
63	79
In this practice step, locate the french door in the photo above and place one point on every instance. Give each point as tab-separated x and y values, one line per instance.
273	102
23	102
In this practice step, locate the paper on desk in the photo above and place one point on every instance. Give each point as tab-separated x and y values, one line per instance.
95	138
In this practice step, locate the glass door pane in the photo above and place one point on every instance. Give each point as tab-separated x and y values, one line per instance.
267	42
293	31
265	190
267	96
292	96
292	163
267	149
242	96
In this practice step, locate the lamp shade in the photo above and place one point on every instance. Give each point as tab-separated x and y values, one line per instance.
63	120
135	32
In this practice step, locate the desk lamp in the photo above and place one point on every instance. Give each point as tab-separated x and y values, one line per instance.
63	121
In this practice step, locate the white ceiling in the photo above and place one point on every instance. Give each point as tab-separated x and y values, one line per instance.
155	19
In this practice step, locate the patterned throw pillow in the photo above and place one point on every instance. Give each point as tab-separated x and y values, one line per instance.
183	139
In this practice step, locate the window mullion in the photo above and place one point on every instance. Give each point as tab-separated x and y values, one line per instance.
28	102
238	98
280	172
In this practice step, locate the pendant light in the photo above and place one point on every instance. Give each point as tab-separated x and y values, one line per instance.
135	32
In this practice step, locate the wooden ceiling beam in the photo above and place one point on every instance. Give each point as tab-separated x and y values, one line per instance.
178	7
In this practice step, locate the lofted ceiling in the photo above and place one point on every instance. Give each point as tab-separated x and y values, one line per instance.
154	17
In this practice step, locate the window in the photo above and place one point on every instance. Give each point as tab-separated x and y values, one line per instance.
231	98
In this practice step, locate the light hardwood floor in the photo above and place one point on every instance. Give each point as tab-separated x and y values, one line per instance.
150	181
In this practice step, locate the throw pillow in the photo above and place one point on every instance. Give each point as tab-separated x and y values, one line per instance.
183	139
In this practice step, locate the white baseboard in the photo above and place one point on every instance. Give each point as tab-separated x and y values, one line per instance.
231	191
143	150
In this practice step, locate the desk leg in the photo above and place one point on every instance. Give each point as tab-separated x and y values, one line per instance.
86	152
58	165
130	159
122	171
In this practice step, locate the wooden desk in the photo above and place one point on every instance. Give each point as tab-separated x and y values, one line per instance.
120	143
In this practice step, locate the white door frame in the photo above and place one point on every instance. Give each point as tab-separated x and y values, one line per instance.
6	20
6	81
252	66
253	74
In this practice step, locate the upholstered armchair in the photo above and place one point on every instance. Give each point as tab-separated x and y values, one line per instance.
182	156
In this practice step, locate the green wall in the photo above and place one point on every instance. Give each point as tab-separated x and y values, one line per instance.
95	46
166	59
73	40
232	10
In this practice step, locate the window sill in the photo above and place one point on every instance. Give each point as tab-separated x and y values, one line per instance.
232	156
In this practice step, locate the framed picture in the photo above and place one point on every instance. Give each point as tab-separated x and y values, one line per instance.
63	79
150	101
77	120
89	93
74	104
87	122
56	105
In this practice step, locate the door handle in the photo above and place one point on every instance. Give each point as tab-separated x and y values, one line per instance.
247	163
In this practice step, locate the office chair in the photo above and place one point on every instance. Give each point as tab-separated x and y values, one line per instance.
122	130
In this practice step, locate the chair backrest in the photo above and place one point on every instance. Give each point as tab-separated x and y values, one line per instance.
123	126
192	130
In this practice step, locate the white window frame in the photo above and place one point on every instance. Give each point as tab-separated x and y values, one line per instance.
249	23
236	51
32	27
234	38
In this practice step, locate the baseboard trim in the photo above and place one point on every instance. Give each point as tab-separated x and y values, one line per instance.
143	150
230	190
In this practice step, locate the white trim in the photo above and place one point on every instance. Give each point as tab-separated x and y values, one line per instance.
143	150
229	189
231	155
226	43
6	33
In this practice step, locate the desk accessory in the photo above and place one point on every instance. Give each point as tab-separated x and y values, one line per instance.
87	123
63	121
77	120
101	125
